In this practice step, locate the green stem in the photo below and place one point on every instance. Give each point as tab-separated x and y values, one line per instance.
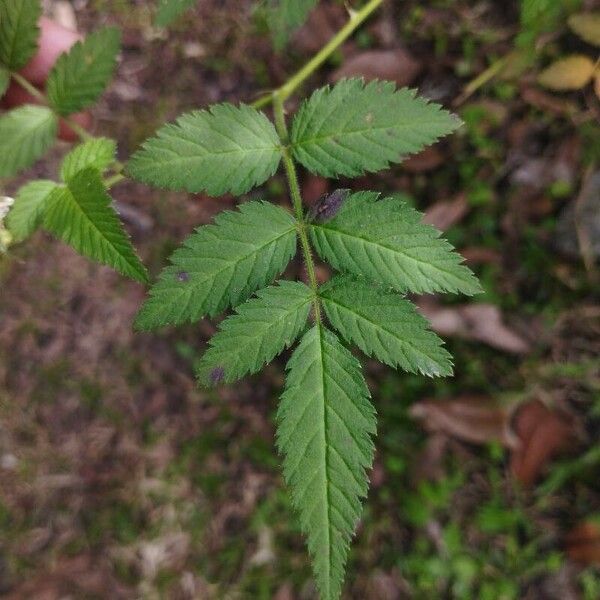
111	181
290	86
296	196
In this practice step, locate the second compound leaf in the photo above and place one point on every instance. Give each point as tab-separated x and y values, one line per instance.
28	209
26	133
98	153
19	31
385	325
223	149
81	215
325	427
221	265
81	75
385	240
260	330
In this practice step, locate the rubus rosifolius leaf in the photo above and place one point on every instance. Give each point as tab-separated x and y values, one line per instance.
221	265
223	149
380	246
81	75
81	215
169	10
26	134
353	127
325	425
28	210
384	240
260	330
19	31
385	325
98	153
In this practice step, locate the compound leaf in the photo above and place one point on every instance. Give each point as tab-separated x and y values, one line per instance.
385	241
385	325
325	423
355	127
260	330
26	214
19	31
81	215
169	10
223	149
26	133
98	153
221	265
81	75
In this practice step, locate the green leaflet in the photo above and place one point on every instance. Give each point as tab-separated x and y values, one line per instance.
260	330
169	10
384	325
81	75
19	31
28	210
81	215
286	15
26	133
384	240
221	265
98	153
355	127
325	423
224	149
4	81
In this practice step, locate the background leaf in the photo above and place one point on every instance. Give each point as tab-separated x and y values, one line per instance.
4	81
384	325
286	15
221	265
81	75
28	210
385	241
355	127
260	330
325	423
570	73
26	133
81	215
169	10
223	149
19	31
98	153
587	27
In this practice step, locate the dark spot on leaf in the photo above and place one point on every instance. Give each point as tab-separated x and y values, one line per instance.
328	206
217	375
183	276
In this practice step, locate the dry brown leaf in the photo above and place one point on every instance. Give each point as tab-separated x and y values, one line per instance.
395	65
443	215
426	160
543	434
474	419
481	322
571	73
597	83
583	543
587	27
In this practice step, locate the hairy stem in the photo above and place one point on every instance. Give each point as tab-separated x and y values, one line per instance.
296	196
290	86
38	95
